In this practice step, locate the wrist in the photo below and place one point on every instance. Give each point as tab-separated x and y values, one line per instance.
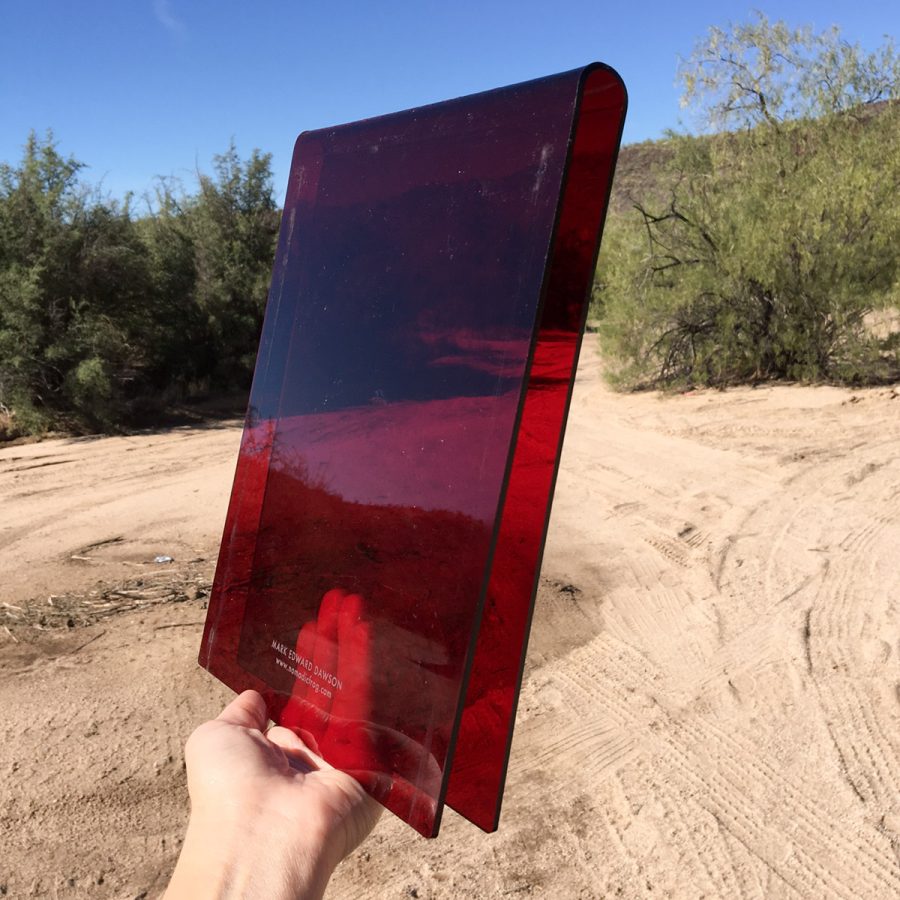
259	854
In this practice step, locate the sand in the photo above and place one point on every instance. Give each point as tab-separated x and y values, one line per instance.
712	701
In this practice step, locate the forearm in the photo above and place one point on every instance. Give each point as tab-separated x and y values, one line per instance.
263	858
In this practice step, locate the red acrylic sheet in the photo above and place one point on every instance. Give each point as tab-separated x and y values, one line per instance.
383	540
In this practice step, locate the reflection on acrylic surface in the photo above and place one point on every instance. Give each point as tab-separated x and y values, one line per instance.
338	707
380	472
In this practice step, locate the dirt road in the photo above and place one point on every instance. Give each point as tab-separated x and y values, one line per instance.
712	703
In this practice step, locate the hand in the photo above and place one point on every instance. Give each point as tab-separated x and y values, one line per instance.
268	817
339	648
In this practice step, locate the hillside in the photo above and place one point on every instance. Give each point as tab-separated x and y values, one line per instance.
640	174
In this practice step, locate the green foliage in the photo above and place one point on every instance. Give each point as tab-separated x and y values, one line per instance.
233	222
104	316
765	72
175	334
64	290
780	237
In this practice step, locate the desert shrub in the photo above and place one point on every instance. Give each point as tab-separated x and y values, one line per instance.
779	237
105	316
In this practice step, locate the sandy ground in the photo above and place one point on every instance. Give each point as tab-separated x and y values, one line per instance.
712	703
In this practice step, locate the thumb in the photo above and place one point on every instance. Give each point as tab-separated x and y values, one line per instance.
247	710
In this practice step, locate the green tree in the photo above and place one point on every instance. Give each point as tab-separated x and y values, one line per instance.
106	318
72	279
176	332
234	223
779	238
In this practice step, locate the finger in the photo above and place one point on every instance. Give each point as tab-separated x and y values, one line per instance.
325	654
348	743
355	663
293	743
306	642
247	710
305	720
322	654
296	749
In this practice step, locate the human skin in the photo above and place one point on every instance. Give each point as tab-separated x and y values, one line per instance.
268	818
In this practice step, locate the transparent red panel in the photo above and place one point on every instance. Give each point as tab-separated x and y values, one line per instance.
379	473
482	751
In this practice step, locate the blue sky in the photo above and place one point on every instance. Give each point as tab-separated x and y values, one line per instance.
139	88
